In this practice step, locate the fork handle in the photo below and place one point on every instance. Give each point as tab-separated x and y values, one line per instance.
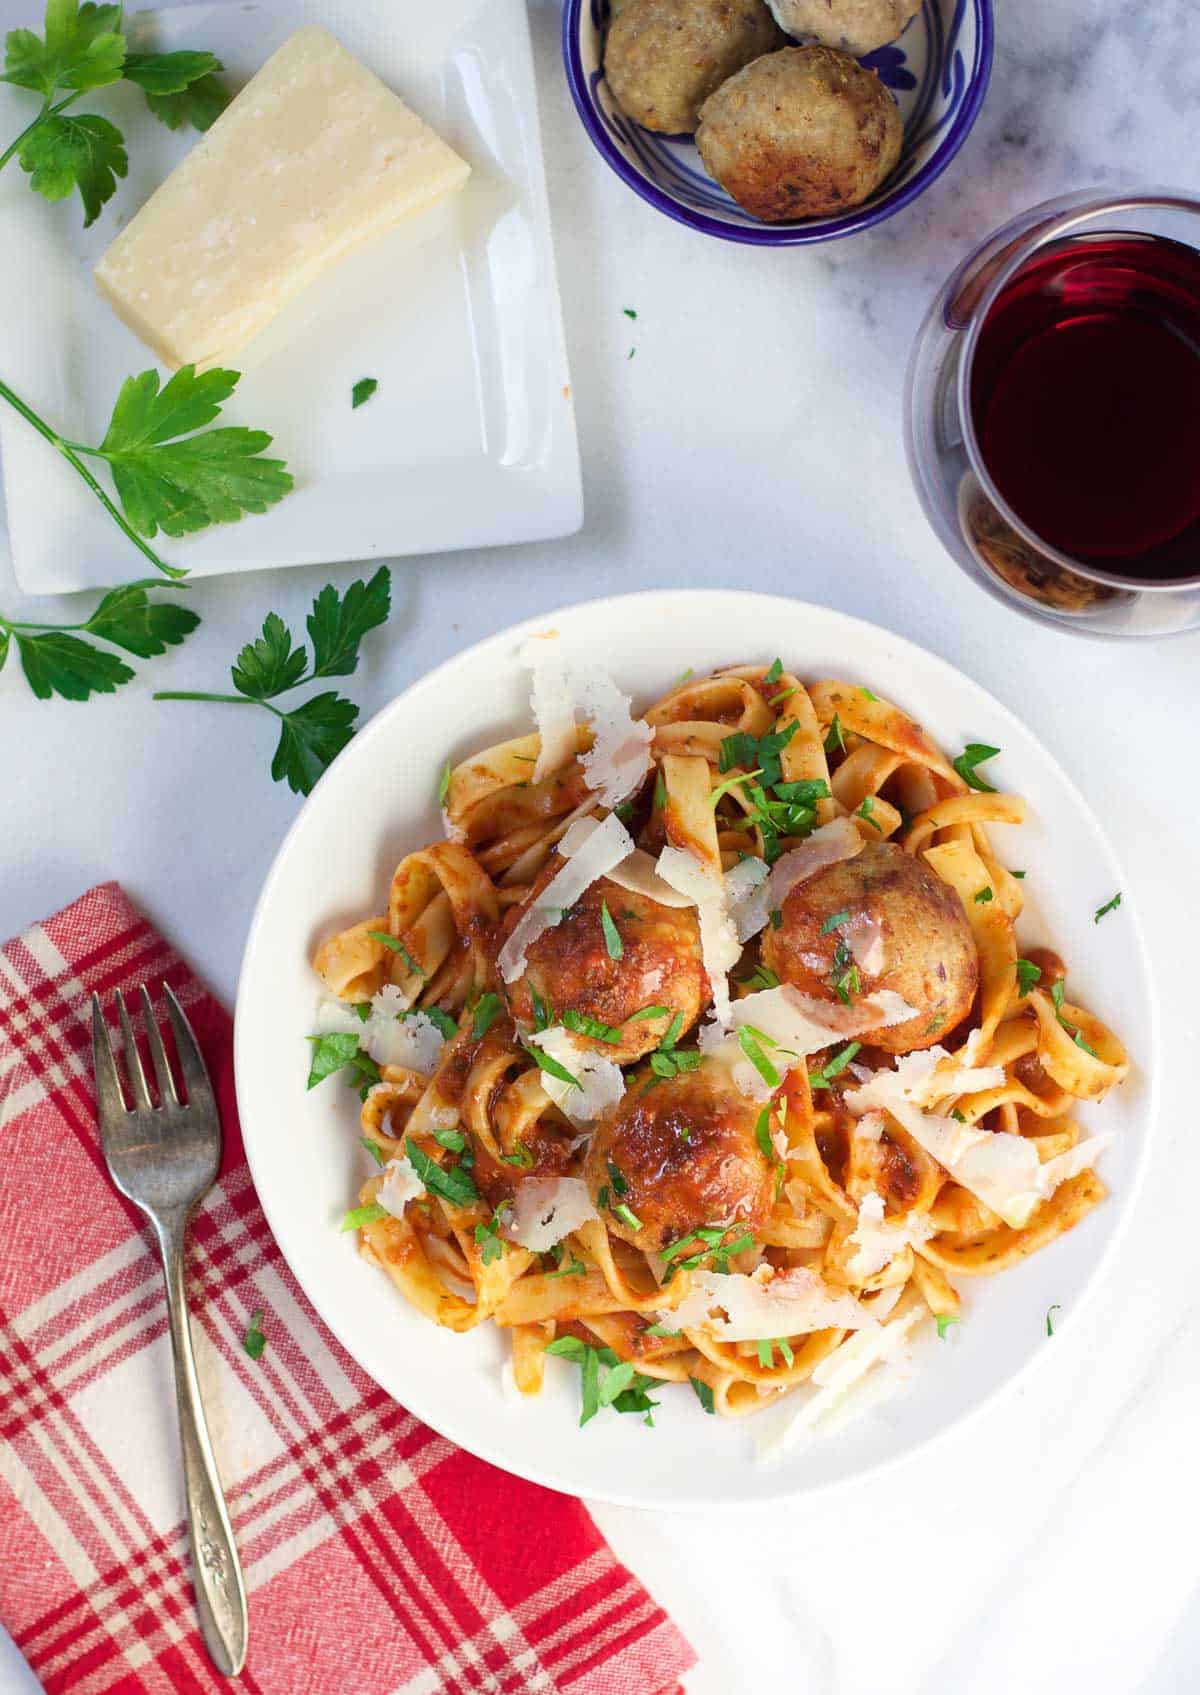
216	1569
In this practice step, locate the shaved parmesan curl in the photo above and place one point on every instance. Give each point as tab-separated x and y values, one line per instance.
839	1380
737	1308
747	896
595	855
720	949
827	846
545	1209
400	1185
796	1025
553	702
601	1081
620	753
877	1240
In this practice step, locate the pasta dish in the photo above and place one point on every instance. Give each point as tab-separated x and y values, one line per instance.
701	1049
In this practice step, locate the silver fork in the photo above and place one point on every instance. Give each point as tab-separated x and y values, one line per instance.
165	1160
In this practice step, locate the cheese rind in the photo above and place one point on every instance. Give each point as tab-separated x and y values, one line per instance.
313	158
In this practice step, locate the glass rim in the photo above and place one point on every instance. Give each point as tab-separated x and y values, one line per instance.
1078	211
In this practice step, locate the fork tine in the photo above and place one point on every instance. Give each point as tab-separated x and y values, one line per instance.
162	1070
191	1060
109	1100
133	1062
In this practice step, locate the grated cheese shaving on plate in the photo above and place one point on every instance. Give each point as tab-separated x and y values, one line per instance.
620	753
767	1303
998	1168
828	845
929	1075
747	897
864	938
794	1026
720	949
601	1083
589	857
545	1209
839	1380
878	1239
400	1185
552	700
391	1035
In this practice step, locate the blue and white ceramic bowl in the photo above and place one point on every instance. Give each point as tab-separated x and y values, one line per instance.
938	70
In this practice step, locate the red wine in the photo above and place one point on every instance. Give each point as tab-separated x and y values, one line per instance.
1085	394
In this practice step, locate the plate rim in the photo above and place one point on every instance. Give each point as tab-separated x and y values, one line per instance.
1149	1064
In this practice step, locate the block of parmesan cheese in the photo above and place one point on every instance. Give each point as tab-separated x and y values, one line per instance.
313	158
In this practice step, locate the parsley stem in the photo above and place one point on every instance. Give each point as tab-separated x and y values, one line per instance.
223	699
72	458
47	111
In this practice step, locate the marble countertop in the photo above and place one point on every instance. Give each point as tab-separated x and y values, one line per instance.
755	439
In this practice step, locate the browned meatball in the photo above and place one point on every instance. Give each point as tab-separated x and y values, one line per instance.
856	26
679	1155
800	133
571	970
663	58
929	955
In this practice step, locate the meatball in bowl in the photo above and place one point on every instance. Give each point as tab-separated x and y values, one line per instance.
778	122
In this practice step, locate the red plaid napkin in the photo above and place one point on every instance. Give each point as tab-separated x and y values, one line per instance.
378	1557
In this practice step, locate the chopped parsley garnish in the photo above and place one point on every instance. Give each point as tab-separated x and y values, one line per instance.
627	1215
397	946
619	1183
1057	991
704	1393
573	1268
373	1148
958	1116
487	1010
762	1135
550	1065
821	1079
449	1182
1057	1307
629	311
254	1341
583	1025
543	1017
984	895
606	1380
362	1011
712	1245
834	922
776	917
762	977
867	811
683	677
761	752
774	671
520	1157
1020	874
624	812
660	1330
362	391
487	1237
443	788
834	739
672	1034
867	695
776	699
750	1041
673	1062
647	1012
660	792
441	1020
338	1050
944	1321
454	1141
975	753
1027	975
845	978
722	789
612	936
766	1352
358	1216
1109	906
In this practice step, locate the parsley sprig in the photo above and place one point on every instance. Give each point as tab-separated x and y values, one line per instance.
85	48
313	734
607	1381
57	660
171	473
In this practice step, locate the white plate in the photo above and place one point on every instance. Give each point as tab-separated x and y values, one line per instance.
377	803
470	439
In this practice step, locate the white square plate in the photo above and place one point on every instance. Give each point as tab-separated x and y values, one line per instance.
470	439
